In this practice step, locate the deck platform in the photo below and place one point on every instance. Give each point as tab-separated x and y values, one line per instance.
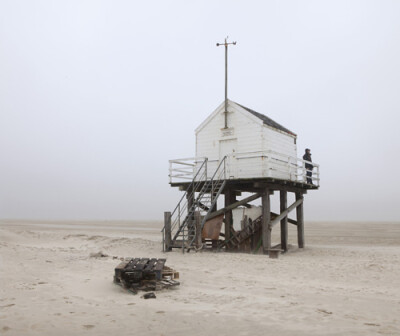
254	185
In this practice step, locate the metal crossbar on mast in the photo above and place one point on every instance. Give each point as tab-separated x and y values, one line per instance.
226	43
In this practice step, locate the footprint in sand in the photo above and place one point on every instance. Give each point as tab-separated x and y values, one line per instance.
323	311
88	326
5	328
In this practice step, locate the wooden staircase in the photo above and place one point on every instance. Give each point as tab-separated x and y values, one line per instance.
251	227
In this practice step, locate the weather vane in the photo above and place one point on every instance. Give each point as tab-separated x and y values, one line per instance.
226	43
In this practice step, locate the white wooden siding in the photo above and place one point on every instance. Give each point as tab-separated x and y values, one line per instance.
250	134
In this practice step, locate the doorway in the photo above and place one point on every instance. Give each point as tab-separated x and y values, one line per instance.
228	148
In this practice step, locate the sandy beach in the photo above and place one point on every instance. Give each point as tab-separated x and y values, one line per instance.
345	282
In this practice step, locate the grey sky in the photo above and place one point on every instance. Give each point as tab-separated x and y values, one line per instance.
97	96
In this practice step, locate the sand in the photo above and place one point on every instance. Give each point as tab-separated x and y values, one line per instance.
346	281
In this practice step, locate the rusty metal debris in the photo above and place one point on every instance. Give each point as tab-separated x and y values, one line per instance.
145	274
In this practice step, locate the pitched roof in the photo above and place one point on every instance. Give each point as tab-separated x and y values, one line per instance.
267	121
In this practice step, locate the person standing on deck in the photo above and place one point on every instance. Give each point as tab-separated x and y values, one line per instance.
309	166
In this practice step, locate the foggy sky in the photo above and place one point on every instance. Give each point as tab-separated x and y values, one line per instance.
97	96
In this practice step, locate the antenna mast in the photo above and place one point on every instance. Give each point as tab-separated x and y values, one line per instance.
226	76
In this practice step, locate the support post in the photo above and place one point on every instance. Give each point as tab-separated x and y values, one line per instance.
266	221
300	221
190	197
190	201
197	220
230	198
167	231
284	221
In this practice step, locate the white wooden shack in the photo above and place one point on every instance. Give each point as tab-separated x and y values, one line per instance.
238	150
255	146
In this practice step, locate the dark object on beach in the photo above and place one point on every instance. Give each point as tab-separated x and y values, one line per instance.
99	254
145	274
149	296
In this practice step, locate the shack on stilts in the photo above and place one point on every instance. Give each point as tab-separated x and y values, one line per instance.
238	151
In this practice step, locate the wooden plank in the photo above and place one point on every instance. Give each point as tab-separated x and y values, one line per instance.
160	264
286	212
141	264
234	205
132	263
291	221
266	221
300	220
284	221
150	265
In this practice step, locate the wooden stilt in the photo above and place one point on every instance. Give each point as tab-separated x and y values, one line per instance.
230	198
300	221
190	197
191	226
284	221
167	231
266	221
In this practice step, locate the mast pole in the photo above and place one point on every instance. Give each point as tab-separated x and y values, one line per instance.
226	43
226	84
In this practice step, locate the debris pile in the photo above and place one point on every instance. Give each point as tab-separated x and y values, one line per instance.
145	274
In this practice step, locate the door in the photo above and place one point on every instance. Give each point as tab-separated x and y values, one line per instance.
228	148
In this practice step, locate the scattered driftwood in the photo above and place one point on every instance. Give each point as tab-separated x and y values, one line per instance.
145	274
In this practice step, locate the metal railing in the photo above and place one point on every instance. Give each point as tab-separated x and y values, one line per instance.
184	169
208	191
182	209
214	187
257	164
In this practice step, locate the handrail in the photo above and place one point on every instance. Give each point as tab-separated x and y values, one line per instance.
207	185
191	189
272	162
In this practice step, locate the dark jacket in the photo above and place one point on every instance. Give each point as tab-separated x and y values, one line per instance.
307	157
